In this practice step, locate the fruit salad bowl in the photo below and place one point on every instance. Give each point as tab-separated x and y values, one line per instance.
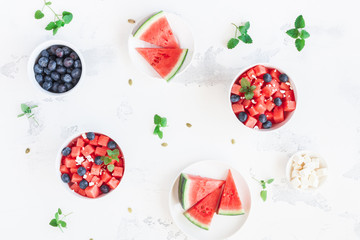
262	97
53	69
83	165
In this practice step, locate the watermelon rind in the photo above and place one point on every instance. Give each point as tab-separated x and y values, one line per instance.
231	212
197	223
178	65
183	190
144	27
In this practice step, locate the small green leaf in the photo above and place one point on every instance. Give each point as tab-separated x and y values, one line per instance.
269	180
116	159
106	160
252	88
35	106
157	119
300	22
249	95
111	167
242	30
160	134
67	17
304	34
300	44
64	13
57	216
163	122
247	25
294	33
62	223
54	223
245	38
157	129
55	30
59	211
20	115
244	83
59	23
244	89
48	3
232	43
115	152
39	14
25	108
263	195
51	26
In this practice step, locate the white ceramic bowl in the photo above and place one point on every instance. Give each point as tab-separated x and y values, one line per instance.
289	167
34	57
222	227
274	126
66	185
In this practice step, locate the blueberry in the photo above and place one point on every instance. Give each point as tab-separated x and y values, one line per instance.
267	125
68	62
66	78
52	65
262	118
242	116
90	135
69	86
277	101
55	76
65	178
52	57
283	78
83	184
48	79
39	78
66	50
104	188
234	98
69	70
267	77
38	69
43	61
76	73
47	71
44	53
55	87
52	49
59	52
98	160
59	61
111	145
77	64
81	171
74	56
61	88
66	151
61	69
47	85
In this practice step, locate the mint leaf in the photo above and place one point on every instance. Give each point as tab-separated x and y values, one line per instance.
247	26
53	223
157	119
242	30
48	3
244	83
57	216
160	134
157	129
269	181
249	95
232	43
55	30
67	17
163	122
245	38
106	160
304	34
115	152
25	108
300	44
50	26
300	22
20	115
65	13
39	14
59	23
59	211
110	167
294	33
252	88
243	89
263	195
62	223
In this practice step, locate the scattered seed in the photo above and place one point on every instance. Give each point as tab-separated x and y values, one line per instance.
132	21
130	82
27	150
188	125
129	210
233	141
164	144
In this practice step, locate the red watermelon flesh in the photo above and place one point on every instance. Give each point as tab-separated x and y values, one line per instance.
202	212
230	203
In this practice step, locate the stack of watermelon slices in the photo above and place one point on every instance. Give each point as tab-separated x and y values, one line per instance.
201	197
168	59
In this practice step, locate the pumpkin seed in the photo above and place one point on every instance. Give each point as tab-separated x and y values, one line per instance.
27	150
132	21
188	125
164	144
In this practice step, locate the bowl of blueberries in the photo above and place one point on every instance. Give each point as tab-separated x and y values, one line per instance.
56	67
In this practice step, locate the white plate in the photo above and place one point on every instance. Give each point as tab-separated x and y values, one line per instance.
182	34
221	226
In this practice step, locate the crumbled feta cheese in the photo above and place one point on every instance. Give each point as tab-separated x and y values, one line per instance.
84	135
79	160
85	176
321	172
91	184
89	158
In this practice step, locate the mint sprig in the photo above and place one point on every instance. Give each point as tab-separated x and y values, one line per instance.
54	26
299	33
58	221
26	111
263	193
247	88
112	155
159	122
244	36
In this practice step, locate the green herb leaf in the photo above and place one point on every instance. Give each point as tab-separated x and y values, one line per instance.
59	23
39	14
242	29
243	89
55	30
249	95
25	108
163	122
245	38
48	3
232	43
51	26
20	115
300	44
157	129
247	26
244	83
110	167
294	33
252	88
59	211
57	216
300	22
53	223
269	180
157	119
160	134
106	160
263	195
67	17
62	223
304	34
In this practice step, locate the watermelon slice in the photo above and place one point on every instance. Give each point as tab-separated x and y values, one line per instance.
194	188
202	212
156	30
165	61
230	203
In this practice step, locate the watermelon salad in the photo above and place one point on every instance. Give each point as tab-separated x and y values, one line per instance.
168	59
92	165
273	99
202	197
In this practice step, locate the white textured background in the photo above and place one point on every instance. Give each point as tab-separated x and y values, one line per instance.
327	119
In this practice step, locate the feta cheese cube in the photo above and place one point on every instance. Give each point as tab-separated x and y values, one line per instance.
322	172
313	180
91	184
84	135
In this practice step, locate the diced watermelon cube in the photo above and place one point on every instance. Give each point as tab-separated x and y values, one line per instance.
105	177
275	85
259	124
75	151
268	91
70	163
76	178
95	169
81	192
80	142
120	163
269	105
260	99
99	183
93	191
235	89
86	164
75	187
95	179
89	177
247	103
73	170
64	169
118	172
94	142
237	107
252	111
88	150
289	106
259	82
103	140
289	95
278	114
260	108
278	94
284	86
260	70
250	73
275	74
113	183
257	91
269	115
100	151
250	122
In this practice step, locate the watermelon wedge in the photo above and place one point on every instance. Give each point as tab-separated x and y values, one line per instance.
194	188
230	203
202	212
156	30
165	61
